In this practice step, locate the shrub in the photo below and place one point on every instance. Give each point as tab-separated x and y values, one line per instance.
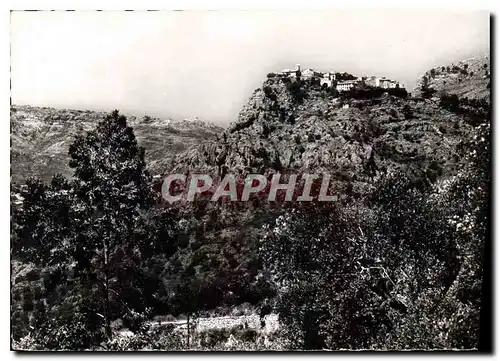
296	91
163	338
450	102
428	92
268	91
248	335
407	112
265	130
214	337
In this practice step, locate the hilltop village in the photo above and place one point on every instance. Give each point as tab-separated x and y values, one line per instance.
342	82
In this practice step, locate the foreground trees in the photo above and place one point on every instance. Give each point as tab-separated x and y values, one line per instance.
100	248
88	236
400	270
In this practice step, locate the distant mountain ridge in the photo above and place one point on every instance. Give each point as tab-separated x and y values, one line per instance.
40	138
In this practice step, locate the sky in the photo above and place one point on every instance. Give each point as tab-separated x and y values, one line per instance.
184	64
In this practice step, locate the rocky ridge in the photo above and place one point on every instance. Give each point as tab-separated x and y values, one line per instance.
356	141
40	138
468	78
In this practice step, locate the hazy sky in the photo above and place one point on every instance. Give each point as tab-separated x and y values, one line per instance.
183	64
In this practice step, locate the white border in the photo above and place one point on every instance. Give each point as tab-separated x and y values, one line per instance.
245	4
489	5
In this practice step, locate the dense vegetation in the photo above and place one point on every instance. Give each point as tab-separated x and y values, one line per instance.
400	270
396	266
102	247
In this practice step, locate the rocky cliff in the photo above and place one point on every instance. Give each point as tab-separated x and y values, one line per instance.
288	126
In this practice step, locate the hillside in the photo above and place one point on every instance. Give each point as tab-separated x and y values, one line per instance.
468	78
357	140
396	264
40	138
288	129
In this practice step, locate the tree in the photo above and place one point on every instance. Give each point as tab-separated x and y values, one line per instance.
112	184
188	296
312	255
407	112
43	226
47	233
450	102
91	234
296	91
400	269
433	250
427	91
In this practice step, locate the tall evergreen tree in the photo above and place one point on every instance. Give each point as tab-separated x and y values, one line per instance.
112	186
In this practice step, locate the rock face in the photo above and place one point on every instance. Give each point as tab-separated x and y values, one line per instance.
301	127
467	79
40	138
